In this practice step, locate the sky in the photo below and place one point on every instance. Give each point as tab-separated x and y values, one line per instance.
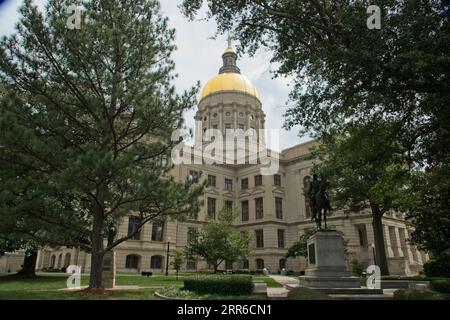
198	58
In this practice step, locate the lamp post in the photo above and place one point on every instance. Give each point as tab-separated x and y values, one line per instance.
167	256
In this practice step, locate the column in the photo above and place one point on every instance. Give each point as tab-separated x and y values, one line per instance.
387	242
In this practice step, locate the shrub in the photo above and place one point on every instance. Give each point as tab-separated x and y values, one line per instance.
302	293
357	268
438	268
226	284
413	294
442	286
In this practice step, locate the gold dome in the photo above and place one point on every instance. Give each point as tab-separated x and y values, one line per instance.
229	82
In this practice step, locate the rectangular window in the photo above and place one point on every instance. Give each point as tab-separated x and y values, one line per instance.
157	231
244	184
277	180
280	238
362	233
215	126
279	207
258	180
133	223
212	208
242	127
211	180
244	209
191	265
259	238
228	184
227	126
229	205
259	212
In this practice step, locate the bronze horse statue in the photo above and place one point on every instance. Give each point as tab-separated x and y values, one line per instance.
320	203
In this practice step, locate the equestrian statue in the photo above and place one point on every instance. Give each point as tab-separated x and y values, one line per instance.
319	201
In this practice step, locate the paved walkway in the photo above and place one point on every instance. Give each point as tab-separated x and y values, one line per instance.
281	293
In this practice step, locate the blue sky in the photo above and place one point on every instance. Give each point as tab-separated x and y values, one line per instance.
198	58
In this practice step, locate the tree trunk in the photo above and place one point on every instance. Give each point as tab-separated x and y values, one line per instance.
215	267
95	280
29	263
380	249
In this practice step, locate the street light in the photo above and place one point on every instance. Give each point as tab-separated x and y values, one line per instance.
167	256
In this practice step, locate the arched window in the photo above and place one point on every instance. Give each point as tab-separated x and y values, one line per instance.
52	261
156	262
132	261
245	264
282	264
67	260
259	264
59	260
306	183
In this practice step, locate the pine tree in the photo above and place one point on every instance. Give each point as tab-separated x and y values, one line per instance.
90	112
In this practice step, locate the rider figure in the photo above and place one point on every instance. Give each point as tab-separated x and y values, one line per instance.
314	187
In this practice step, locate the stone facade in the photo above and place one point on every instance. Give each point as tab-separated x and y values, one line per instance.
236	105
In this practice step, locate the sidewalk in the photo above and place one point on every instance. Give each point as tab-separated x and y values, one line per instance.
281	293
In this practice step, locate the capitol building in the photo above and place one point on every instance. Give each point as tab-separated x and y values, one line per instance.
272	208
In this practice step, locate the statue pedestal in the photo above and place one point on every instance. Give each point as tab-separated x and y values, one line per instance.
109	270
327	268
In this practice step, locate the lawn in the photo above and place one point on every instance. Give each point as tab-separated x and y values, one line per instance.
46	286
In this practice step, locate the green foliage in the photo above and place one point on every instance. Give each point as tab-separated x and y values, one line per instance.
177	260
302	293
413	294
218	241
86	119
442	286
439	267
357	268
300	247
226	284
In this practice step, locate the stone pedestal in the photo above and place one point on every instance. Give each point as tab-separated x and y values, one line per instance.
327	267
109	270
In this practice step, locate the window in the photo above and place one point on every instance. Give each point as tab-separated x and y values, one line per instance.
258	180
191	233
163	161
156	262
228	114
133	223
215	115
306	183
259	238
227	126
193	175
244	210
244	184
212	208
157	231
215	126
282	264
67	260
280	238
362	234
241	114
259	212
229	205
279	207
228	184
277	180
211	180
52	261
228	265
59	260
259	264
245	264
242	126
191	265
132	261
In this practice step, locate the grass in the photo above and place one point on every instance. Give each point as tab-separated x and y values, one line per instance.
46	286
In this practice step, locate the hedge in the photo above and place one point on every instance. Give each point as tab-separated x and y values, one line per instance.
438	268
442	286
225	285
